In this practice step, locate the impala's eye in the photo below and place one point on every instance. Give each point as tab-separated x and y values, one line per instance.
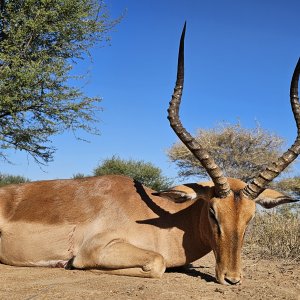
212	214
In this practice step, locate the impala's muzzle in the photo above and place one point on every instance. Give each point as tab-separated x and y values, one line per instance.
227	277
232	280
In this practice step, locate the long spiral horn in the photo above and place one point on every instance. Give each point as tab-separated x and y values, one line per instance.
253	189
221	185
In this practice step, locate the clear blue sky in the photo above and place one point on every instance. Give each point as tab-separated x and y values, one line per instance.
240	56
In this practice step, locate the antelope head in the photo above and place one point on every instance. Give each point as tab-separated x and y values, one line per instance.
230	202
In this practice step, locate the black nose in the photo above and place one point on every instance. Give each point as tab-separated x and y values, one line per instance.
232	281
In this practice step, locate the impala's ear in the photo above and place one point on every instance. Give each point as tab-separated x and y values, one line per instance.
185	192
271	198
175	195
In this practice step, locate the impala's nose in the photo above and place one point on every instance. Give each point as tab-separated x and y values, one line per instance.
232	280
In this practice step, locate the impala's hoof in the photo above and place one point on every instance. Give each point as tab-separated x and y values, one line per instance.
69	265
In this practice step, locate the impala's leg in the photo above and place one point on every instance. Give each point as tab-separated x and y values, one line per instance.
120	258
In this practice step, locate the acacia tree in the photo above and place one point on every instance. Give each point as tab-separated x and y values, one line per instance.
241	153
291	184
40	40
144	172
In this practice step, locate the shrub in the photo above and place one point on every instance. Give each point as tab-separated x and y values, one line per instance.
144	172
6	179
78	175
275	234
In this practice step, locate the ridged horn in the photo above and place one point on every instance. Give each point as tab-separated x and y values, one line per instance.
221	185
253	189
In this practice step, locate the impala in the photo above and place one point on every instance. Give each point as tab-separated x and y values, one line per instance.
117	225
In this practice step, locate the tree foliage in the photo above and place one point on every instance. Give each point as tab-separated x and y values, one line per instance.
6	179
40	40
78	175
144	172
241	153
291	185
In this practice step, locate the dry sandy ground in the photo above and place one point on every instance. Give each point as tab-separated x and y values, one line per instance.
263	280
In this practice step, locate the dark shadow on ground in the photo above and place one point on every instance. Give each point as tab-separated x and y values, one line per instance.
192	271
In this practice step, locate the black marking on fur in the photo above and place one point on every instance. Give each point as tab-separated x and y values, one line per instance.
69	265
237	196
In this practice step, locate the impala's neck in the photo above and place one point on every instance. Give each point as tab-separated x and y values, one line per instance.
196	231
203	229
182	228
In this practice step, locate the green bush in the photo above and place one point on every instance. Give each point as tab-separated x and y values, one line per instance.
6	179
144	172
78	175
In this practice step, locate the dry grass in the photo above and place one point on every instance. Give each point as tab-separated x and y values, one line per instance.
274	235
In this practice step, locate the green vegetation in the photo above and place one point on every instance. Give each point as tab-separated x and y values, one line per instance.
144	172
78	175
6	179
40	40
